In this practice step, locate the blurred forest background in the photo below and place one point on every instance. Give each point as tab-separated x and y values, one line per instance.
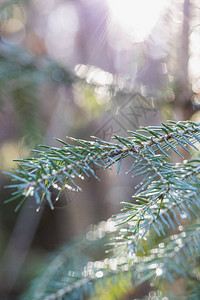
79	68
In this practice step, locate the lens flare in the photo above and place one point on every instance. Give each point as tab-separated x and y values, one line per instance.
137	18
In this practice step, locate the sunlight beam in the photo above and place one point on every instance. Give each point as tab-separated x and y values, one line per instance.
136	17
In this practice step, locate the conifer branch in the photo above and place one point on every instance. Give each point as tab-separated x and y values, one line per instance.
167	195
159	211
176	254
58	167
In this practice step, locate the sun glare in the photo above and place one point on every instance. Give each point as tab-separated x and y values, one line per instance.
136	17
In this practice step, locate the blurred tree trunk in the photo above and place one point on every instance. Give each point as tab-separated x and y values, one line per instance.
183	92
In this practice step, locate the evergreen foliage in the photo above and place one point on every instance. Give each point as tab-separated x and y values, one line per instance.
155	239
20	79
